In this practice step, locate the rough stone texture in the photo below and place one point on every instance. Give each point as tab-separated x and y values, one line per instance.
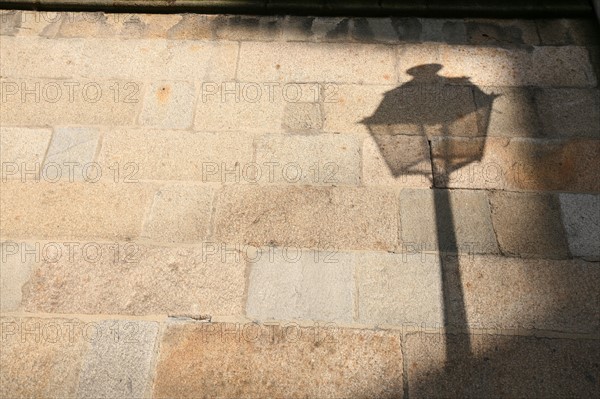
396	161
503	366
30	23
310	62
299	28
15	270
501	294
345	363
422	30
594	53
569	112
495	66
580	217
302	117
40	358
72	144
240	91
349	105
137	279
419	107
246	27
464	220
301	284
441	30
179	155
251	106
409	29
11	21
505	294
169	105
517	164
95	24
119	366
22	145
399	289
192	27
513	113
125	25
374	30
561	66
103	58
564	32
69	101
529	225
497	32
321	159
180	214
312	217
73	210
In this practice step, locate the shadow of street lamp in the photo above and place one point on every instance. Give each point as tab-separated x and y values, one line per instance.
436	108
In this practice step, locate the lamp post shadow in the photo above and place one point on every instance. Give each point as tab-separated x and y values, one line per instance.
437	108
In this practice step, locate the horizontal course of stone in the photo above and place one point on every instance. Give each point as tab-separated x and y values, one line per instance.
187	200
493	8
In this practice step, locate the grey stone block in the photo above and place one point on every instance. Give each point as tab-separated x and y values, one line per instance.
119	362
301	284
581	219
73	144
447	221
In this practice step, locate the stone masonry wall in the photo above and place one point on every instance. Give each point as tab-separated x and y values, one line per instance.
193	206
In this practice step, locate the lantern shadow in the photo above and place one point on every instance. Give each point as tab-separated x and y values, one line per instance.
433	108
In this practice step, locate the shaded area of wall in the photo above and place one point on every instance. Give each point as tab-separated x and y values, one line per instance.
429	8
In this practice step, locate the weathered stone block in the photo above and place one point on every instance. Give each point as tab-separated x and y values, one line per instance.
179	155
73	144
397	161
302	284
138	279
529	225
495	66
300	28
569	112
324	159
513	112
72	101
169	105
79	210
449	221
308	217
514	295
41	357
103	59
180	214
15	269
120	363
341	363
20	146
516	164
311	62
502	366
300	117
580	217
399	289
